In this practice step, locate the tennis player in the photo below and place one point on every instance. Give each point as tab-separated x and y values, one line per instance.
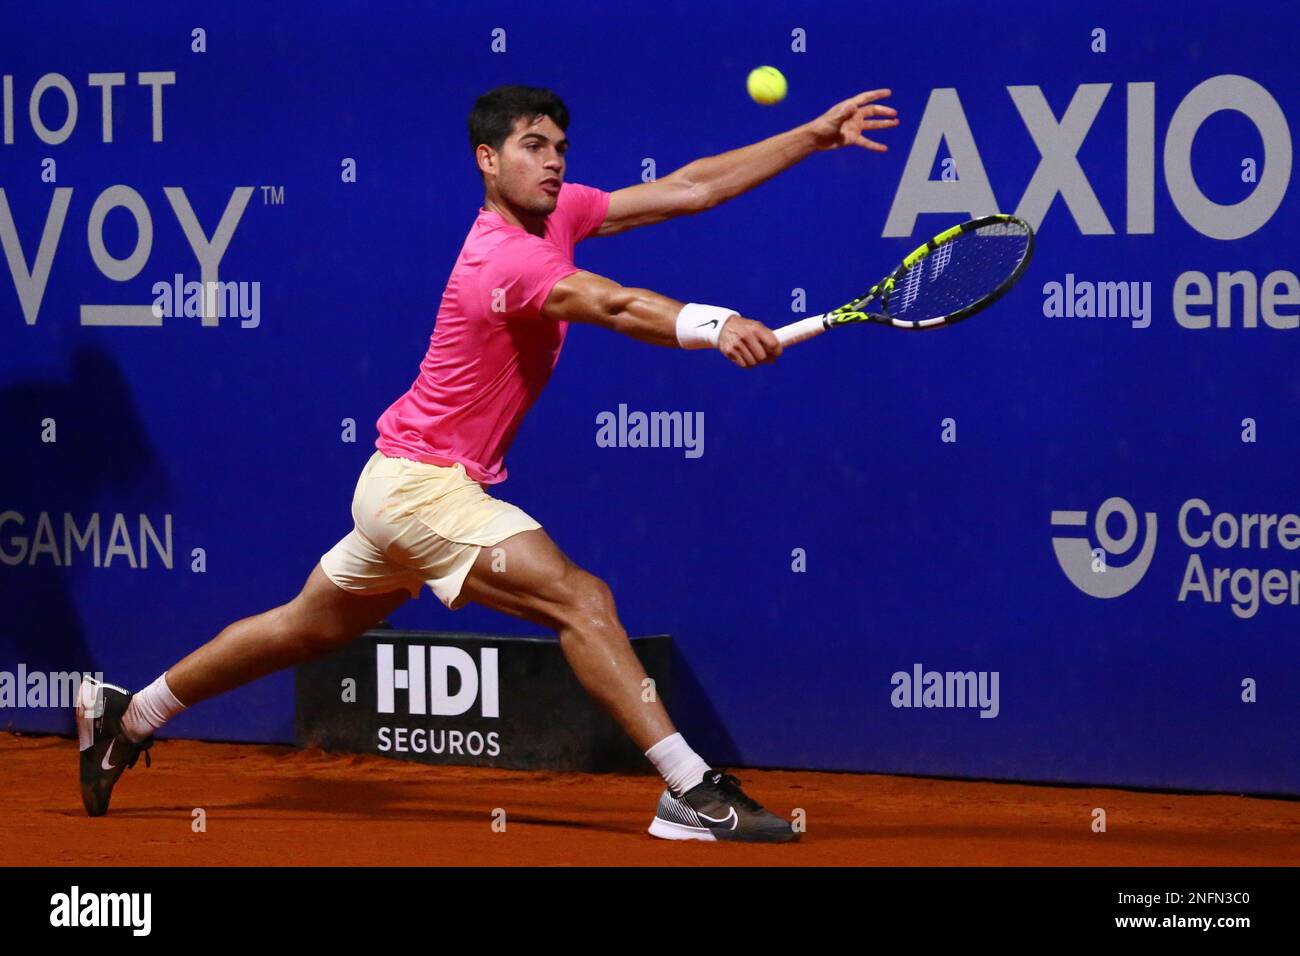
422	511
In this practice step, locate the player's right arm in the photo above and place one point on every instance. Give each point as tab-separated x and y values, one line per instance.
650	317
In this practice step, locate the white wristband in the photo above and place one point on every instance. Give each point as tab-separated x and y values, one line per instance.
698	326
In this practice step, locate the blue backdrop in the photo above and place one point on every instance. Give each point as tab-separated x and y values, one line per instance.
919	549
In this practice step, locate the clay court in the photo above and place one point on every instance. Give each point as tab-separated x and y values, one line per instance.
275	806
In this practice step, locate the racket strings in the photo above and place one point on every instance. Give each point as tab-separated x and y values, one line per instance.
958	274
909	290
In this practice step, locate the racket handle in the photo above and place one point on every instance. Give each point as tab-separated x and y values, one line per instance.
801	331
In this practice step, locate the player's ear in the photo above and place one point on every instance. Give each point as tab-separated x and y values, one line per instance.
487	159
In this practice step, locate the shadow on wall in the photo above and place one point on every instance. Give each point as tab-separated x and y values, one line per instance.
101	459
694	715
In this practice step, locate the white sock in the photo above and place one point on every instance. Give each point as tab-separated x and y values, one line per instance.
150	709
679	765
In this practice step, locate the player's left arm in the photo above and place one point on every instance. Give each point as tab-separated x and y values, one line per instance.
713	180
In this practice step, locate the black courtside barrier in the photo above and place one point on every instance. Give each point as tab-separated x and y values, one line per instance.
478	700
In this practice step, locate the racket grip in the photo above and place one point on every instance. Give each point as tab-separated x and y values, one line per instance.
801	331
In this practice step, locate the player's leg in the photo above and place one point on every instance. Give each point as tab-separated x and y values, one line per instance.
528	576
115	726
320	619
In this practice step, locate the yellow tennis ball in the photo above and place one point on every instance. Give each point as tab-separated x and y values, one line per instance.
766	85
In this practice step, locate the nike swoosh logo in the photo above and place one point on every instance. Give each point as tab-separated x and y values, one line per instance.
710	322
108	766
735	820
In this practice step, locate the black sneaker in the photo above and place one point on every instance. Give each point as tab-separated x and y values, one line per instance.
717	809
105	750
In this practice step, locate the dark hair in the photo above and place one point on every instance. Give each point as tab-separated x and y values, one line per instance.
493	117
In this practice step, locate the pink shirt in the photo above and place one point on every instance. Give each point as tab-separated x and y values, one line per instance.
491	351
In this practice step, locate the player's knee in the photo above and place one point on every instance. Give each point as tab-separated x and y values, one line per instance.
308	635
321	640
591	604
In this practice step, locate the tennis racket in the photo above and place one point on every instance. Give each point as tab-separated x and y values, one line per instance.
956	274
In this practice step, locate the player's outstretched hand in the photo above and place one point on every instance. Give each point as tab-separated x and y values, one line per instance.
748	343
846	123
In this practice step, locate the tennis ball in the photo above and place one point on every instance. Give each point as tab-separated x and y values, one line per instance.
766	85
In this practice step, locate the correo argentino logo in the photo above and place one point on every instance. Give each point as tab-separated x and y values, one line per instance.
1087	566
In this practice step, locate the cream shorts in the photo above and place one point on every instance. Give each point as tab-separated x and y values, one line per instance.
418	524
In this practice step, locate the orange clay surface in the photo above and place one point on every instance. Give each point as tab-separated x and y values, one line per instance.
268	806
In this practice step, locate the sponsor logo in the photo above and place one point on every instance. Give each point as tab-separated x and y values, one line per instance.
107	764
1198	300
1086	565
731	816
425	688
49	547
419	740
30	260
1200	528
968	190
